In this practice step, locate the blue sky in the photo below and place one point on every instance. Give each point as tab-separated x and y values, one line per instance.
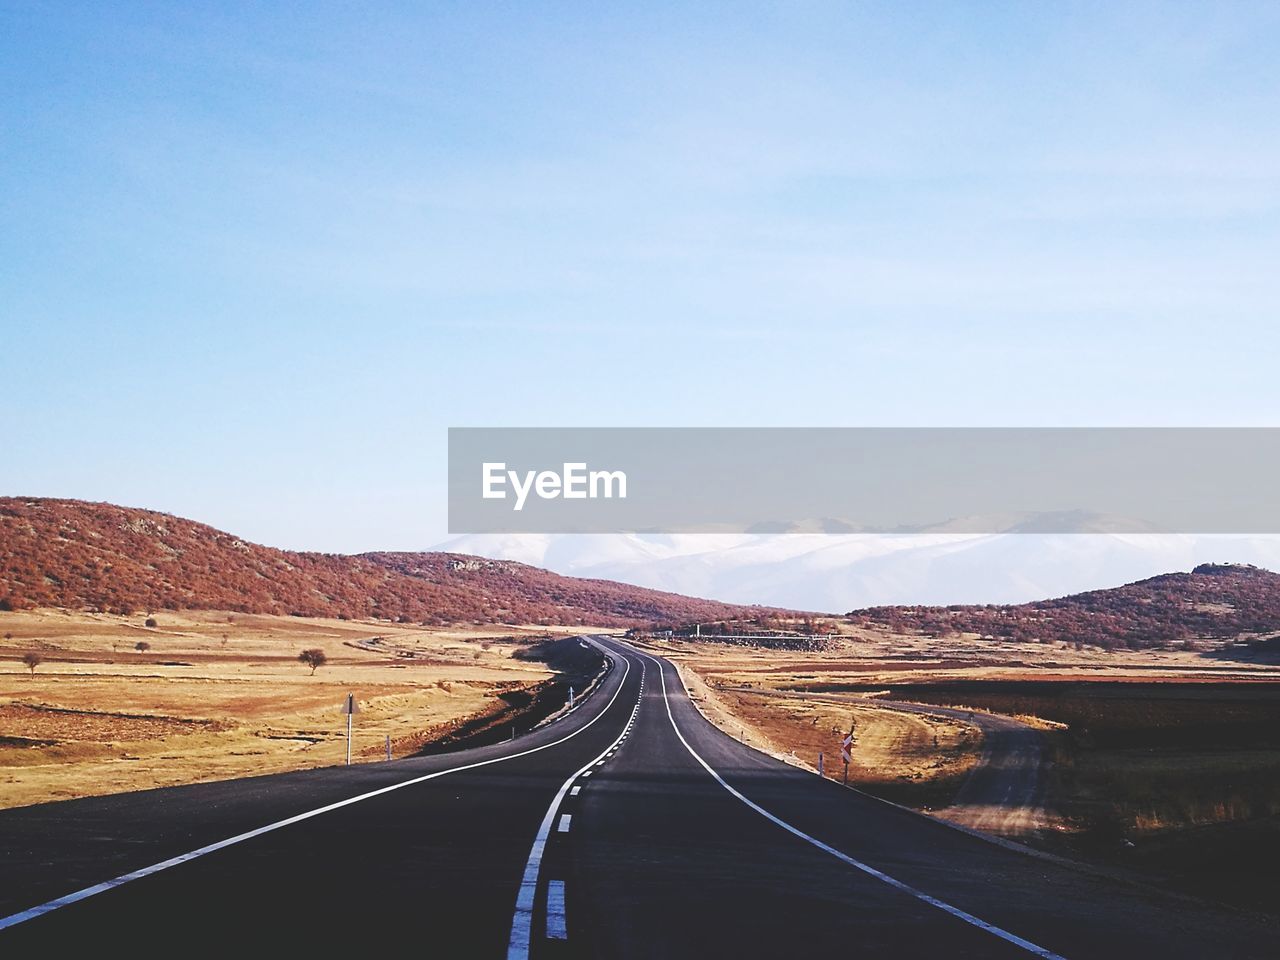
257	258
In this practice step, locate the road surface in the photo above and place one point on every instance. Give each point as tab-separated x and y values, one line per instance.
1004	792
630	828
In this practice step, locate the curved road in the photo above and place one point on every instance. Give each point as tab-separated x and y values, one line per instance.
631	828
1004	793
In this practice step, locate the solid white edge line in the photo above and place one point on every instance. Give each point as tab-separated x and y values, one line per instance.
839	855
30	914
522	919
557	929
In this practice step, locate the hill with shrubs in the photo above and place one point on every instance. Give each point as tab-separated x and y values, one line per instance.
1212	602
101	557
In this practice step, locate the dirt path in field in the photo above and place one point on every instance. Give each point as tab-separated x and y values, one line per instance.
1004	793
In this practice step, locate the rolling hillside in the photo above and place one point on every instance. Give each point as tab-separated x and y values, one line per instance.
821	571
95	556
1213	601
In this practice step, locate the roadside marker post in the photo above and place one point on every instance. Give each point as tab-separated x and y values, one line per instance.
820	770
388	746
846	745
351	708
571	698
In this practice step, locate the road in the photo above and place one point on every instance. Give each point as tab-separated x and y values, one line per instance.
1004	793
630	828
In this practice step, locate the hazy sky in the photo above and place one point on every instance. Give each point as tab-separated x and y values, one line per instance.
255	259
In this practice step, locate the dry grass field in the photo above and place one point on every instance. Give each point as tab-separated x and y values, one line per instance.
920	760
216	695
1164	761
752	693
908	758
778	699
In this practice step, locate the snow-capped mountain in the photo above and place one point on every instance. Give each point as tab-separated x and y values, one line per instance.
840	572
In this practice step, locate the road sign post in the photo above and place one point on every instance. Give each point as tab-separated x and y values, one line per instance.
351	708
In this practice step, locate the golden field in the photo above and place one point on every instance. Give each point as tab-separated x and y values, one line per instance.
1163	762
220	695
787	703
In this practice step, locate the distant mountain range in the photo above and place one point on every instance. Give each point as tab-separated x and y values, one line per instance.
841	571
96	556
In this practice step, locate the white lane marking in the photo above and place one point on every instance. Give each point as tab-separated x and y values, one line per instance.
64	901
575	791
522	919
556	927
865	868
564	822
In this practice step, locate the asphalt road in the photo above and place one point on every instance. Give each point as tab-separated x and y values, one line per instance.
1004	792
630	828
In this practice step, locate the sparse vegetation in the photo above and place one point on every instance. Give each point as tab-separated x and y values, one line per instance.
916	760
313	658
99	557
1213	601
204	711
142	646
1150	765
31	660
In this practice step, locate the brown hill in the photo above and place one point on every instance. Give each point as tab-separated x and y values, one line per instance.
1212	601
96	556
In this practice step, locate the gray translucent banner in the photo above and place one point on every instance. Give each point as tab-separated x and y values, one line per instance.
889	480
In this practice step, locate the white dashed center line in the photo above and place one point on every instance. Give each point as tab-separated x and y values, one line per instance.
556	928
